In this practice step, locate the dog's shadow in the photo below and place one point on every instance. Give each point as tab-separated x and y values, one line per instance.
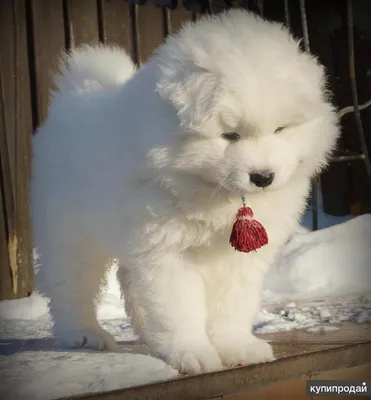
11	346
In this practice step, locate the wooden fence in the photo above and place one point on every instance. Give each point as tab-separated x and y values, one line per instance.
33	33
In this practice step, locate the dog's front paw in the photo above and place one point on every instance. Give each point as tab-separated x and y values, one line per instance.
92	339
193	359
245	351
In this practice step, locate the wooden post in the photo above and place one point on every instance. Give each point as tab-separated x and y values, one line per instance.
16	269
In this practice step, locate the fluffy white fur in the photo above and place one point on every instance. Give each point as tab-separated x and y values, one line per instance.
133	165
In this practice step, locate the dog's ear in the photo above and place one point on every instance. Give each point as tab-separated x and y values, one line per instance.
191	93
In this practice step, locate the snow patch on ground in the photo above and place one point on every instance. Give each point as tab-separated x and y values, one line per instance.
328	261
36	375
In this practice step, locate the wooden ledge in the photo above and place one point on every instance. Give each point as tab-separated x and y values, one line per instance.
300	354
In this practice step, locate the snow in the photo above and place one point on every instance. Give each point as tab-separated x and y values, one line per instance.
320	279
53	374
322	329
330	260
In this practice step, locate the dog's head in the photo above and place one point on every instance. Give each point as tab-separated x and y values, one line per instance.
252	107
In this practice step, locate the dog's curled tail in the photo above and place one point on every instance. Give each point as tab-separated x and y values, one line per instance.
90	68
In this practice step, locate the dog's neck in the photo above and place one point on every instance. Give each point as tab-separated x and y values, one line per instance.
196	198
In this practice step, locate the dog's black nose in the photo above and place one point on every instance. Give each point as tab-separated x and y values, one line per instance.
262	179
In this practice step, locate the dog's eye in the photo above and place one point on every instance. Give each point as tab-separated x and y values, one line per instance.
231	136
279	129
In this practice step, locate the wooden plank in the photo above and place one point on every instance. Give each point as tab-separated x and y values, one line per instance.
331	43
243	378
360	196
299	353
150	28
6	194
298	341
272	12
84	20
23	156
47	16
16	130
295	389
5	277
117	24
7	66
178	17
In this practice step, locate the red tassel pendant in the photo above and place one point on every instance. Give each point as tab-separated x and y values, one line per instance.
248	234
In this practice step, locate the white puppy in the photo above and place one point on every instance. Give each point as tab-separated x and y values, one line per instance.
149	167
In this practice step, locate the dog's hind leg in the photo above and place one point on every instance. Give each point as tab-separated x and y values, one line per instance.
72	273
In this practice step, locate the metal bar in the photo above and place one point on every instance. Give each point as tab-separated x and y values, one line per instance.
315	183
166	21
350	109
68	28
31	56
353	82
261	7
211	8
304	24
134	25
287	14
353	157
314	203
101	20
